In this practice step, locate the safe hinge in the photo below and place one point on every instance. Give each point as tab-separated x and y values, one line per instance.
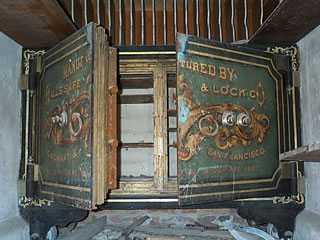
36	173
286	170
296	82
24	82
21	187
38	64
302	184
281	63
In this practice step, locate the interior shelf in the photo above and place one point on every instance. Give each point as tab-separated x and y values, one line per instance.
308	153
136	99
136	145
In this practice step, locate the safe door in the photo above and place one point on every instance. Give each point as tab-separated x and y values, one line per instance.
230	116
75	144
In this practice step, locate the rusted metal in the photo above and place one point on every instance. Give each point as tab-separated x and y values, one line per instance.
23	22
112	119
289	22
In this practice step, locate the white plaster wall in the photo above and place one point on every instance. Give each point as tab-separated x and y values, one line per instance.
136	126
308	222
309	48
11	226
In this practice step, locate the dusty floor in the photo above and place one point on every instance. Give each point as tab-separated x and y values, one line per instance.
164	232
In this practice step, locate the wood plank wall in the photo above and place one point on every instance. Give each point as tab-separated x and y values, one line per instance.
222	20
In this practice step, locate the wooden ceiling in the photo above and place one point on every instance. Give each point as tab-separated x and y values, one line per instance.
290	21
44	23
34	23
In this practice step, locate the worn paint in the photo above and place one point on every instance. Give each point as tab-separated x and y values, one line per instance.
217	161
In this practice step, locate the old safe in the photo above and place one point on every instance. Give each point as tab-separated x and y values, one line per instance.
196	123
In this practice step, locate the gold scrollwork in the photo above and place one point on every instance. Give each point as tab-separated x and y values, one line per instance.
79	115
298	199
24	202
27	55
291	51
187	93
225	136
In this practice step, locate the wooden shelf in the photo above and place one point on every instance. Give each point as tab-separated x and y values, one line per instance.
172	129
308	153
136	145
136	99
136	83
172	112
142	82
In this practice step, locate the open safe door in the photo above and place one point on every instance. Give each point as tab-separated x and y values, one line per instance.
230	116
74	89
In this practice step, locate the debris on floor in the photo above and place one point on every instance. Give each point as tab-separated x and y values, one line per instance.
144	230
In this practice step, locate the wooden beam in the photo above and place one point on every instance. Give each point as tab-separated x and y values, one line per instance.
87	231
41	23
289	22
160	127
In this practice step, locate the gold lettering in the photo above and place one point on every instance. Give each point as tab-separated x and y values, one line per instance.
212	70
195	67
203	68
257	152
74	65
224	90
231	73
182	63
233	92
242	92
252	94
223	74
215	90
189	65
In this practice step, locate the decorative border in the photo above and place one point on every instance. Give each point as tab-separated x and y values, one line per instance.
291	51
29	54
